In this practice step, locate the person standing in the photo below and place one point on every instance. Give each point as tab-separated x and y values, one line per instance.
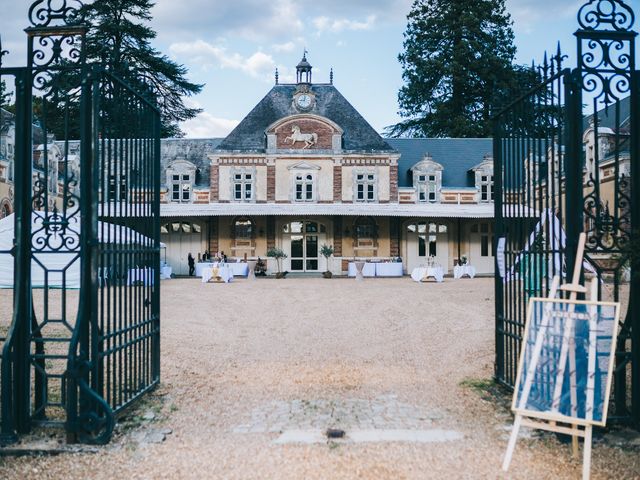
192	264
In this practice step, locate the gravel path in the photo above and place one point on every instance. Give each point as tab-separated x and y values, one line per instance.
244	362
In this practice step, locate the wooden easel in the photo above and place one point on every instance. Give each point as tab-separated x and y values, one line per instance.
567	350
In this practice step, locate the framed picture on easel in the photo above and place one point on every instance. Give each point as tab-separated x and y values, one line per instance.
566	363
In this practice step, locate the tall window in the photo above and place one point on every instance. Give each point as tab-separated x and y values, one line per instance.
486	238
304	185
427	237
365	187
243	186
181	187
5	209
486	188
427	188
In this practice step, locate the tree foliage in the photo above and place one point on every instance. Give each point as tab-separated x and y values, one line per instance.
457	63
120	39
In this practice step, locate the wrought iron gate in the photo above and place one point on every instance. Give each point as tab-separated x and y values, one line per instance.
564	168
83	339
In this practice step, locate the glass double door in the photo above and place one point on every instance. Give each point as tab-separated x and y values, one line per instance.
305	245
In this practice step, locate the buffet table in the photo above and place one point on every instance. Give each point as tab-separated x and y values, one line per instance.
389	269
202	265
239	269
420	274
460	271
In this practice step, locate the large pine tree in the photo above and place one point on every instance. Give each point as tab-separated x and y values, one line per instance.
457	56
120	39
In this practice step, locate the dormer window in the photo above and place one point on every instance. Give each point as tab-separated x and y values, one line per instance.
427	188
484	179
181	176
486	188
366	187
427	180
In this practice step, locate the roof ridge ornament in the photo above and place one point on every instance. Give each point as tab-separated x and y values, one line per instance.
597	14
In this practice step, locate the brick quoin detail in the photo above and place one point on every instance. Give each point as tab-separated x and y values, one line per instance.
337	236
271	232
214	182
271	183
393	180
394	234
213	235
337	183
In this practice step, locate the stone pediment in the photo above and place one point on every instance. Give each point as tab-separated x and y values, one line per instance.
304	166
304	132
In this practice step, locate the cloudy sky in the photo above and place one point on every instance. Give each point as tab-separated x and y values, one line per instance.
235	46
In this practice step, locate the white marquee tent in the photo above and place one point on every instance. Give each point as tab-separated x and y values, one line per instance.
63	265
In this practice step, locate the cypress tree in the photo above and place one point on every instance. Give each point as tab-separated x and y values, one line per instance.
457	61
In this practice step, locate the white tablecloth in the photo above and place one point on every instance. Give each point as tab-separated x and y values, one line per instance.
369	269
224	273
427	272
460	271
144	275
239	269
165	272
389	269
202	265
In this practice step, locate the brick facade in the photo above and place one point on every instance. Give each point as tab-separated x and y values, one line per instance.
394	237
271	183
271	232
337	183
337	236
214	185
307	126
393	181
214	235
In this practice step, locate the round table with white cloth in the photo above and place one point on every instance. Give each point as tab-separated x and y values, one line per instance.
420	274
460	271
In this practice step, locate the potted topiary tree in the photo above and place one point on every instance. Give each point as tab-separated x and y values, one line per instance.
326	251
278	254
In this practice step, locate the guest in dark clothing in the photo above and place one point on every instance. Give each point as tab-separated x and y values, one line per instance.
192	264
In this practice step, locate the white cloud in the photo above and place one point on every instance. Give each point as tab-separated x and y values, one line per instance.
529	14
326	24
284	47
206	125
258	65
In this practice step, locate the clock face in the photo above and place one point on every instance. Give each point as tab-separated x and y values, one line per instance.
304	100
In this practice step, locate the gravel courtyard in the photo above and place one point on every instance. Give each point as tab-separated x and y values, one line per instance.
254	372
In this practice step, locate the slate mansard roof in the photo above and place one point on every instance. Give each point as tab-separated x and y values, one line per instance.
359	136
456	155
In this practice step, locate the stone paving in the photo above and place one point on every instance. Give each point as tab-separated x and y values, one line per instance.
384	412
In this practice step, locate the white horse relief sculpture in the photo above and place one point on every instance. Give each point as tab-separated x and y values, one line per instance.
309	139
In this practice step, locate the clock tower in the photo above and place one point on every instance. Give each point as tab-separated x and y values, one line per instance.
303	98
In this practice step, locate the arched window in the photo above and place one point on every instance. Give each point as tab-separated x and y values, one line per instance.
243	235
365	235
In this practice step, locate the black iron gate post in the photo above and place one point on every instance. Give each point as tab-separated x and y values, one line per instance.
564	169
87	193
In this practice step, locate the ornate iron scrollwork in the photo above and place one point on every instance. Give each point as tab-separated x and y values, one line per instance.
48	13
597	14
